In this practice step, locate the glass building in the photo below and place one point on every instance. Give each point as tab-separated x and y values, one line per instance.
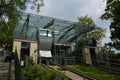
31	26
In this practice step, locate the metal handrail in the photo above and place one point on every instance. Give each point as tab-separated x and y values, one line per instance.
81	74
18	72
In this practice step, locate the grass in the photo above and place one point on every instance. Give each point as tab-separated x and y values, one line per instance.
101	75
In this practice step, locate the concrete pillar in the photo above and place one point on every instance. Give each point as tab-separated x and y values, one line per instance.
17	45
86	56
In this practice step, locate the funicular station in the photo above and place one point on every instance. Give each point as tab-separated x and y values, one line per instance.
41	38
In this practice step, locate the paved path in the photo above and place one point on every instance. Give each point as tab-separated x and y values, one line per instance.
7	71
69	74
4	71
72	75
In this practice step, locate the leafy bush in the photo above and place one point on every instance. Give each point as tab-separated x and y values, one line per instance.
30	61
37	72
7	52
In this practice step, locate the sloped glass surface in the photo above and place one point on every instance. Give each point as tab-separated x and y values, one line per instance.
35	22
29	32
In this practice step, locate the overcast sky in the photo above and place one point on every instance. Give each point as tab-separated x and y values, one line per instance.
72	9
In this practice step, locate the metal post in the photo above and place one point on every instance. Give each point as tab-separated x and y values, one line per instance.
60	59
37	38
60	55
54	47
26	59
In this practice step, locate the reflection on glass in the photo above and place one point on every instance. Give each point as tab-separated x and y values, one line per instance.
56	32
45	32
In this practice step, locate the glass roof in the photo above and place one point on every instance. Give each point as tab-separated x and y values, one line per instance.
37	21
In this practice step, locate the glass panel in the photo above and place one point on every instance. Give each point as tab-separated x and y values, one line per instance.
42	32
38	21
56	32
45	32
49	34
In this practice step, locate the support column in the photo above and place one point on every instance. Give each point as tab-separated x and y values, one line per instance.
86	56
17	45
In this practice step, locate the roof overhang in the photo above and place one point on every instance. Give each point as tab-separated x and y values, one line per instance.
23	40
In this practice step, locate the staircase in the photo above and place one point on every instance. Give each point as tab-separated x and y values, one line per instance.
6	70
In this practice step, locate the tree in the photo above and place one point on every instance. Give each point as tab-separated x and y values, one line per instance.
112	13
10	11
86	20
107	49
95	35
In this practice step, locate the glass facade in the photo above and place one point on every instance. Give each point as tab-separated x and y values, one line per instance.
28	32
50	29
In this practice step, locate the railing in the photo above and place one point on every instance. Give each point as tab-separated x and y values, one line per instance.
107	66
18	72
85	77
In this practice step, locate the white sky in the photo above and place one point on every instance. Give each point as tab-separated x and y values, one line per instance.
72	9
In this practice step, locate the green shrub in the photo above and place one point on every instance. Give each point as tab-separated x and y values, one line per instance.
7	52
30	61
37	72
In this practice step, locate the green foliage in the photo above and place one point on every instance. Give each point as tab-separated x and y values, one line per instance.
7	52
8	19
97	33
86	20
36	4
10	11
112	13
83	33
90	38
30	61
37	72
108	50
101	75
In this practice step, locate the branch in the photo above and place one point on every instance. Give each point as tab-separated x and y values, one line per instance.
5	6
